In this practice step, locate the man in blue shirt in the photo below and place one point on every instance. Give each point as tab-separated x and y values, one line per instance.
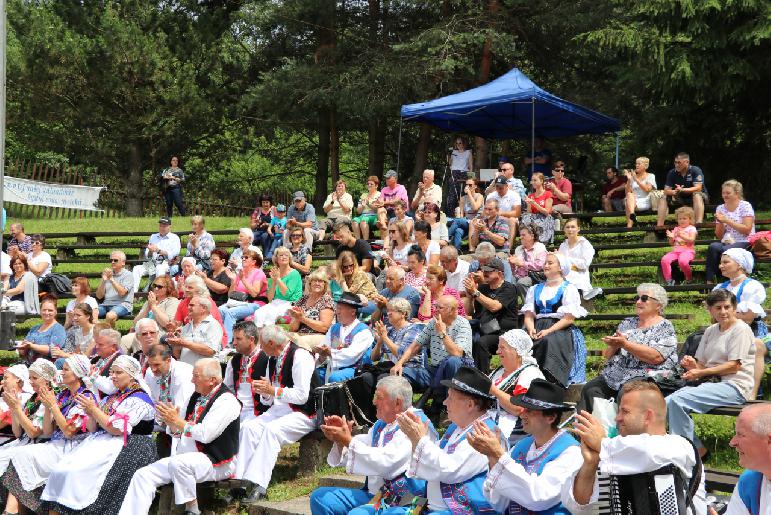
395	287
684	187
302	214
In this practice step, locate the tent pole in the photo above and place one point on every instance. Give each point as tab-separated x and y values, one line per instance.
618	137
532	136
399	146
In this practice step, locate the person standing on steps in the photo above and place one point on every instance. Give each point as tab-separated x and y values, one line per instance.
171	182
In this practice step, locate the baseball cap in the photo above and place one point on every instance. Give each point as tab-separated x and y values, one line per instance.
501	180
281	208
494	265
164	221
298	195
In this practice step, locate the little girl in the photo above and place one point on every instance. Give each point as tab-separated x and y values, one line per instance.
682	239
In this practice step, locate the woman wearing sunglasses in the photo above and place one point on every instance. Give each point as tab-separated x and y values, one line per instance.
646	341
470	204
161	306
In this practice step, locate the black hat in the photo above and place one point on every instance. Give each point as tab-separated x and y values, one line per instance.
494	265
542	395
164	221
470	381
351	299
501	180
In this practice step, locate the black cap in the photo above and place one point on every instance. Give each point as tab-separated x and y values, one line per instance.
470	381
164	221
351	299
542	395
501	180
494	265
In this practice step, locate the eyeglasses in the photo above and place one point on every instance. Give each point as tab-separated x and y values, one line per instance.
296	236
158	286
115	260
645	298
347	267
470	184
245	257
147	333
37	242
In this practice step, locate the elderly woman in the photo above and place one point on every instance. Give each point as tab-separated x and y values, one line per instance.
736	264
643	343
416	268
285	287
16	386
518	369
247	292
367	209
162	303
734	224
314	312
302	259
260	221
39	261
430	214
187	269
539	208
423	240
94	477
245	239
527	259
470	204
550	309
725	354
81	290
65	421
639	185
200	243
221	276
434	287
580	253
43	338
392	342
21	288
349	276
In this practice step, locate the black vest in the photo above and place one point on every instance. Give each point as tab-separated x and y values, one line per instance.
106	370
264	361
225	447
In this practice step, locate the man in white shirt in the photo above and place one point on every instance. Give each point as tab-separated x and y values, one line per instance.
199	338
241	367
427	192
162	248
638	464
346	343
338	207
456	269
382	454
207	434
509	204
752	495
283	380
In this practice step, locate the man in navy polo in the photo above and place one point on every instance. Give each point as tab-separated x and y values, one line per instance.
684	187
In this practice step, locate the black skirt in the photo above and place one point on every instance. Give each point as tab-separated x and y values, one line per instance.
139	452
555	353
29	498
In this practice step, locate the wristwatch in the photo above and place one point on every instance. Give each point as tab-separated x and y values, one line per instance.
442	335
476	294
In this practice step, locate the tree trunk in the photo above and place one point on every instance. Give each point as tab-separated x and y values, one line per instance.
421	150
376	138
322	161
134	184
334	146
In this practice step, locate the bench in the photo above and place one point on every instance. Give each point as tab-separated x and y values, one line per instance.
720	480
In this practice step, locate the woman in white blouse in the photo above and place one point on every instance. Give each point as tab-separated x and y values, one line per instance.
639	185
734	224
580	253
430	215
550	309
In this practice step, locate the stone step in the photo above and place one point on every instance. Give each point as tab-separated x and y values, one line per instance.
296	506
342	481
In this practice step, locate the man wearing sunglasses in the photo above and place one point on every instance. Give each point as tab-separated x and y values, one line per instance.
116	289
561	189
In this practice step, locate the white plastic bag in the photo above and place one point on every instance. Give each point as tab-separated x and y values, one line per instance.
605	411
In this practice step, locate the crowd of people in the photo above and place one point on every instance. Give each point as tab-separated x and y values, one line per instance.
224	360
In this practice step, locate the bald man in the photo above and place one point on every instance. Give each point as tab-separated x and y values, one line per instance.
448	338
752	495
644	465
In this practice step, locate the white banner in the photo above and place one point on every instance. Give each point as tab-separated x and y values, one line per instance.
35	193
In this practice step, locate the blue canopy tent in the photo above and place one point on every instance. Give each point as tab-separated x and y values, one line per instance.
510	107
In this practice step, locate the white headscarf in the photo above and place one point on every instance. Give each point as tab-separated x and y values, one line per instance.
742	257
44	368
564	263
132	367
519	340
21	373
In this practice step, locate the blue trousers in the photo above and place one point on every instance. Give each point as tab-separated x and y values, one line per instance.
698	399
278	239
263	240
337	376
232	315
457	231
173	197
445	370
418	377
331	500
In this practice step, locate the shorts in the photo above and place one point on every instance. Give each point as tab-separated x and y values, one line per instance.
618	204
679	200
370	218
119	310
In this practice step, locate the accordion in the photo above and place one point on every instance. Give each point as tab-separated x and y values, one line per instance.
351	399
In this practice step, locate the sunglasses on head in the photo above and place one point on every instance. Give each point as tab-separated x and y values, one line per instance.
645	298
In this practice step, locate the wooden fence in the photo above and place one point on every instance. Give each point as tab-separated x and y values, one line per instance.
112	200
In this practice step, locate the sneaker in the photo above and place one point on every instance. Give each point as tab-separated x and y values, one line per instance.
594	292
671	282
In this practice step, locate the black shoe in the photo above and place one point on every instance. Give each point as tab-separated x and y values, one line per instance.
633	218
255	496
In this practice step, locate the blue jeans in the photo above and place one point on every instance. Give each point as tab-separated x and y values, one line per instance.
444	370
232	315
277	241
332	500
698	399
457	231
119	310
262	239
418	377
173	197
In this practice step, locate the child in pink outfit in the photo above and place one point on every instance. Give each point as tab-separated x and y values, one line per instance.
682	239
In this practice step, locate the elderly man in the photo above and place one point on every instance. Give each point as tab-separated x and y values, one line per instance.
561	189
347	241
427	192
162	249
395	288
752	495
338	206
241	367
195	286
170	381
107	348
391	193
147	334
282	382
206	447
639	465
530	478
448	338
19	242
347	342
199	338
456	269
116	289
482	255
493	305
509	203
684	187
454	470
489	227
303	215
382	454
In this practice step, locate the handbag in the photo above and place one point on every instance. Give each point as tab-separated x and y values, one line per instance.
351	399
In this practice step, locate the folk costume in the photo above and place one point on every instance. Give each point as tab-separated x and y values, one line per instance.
750	293
280	419
561	354
383	455
100	383
206	451
529	480
90	478
25	392
175	387
31	465
751	496
239	374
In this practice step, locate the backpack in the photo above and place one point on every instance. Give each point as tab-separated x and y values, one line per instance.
56	284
